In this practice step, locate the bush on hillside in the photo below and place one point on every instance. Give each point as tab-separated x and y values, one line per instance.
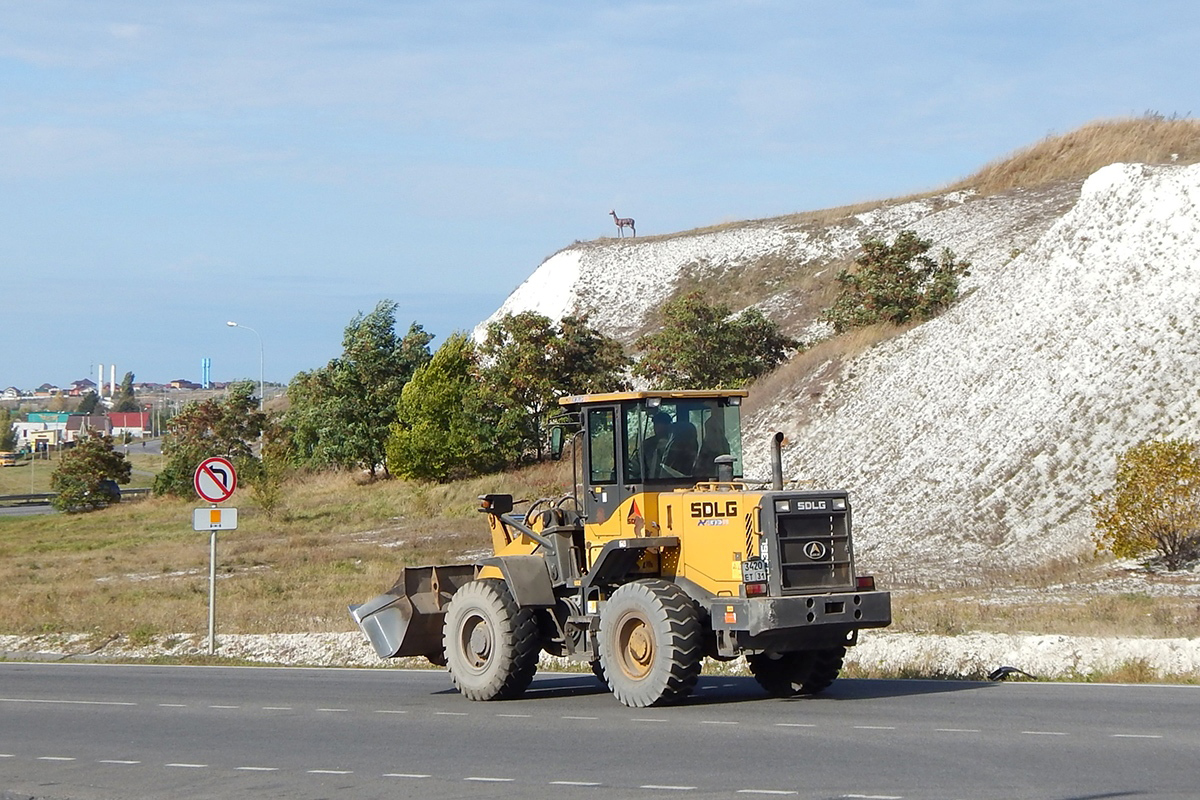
701	345
896	283
1154	505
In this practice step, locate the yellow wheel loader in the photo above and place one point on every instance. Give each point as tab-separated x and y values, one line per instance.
662	555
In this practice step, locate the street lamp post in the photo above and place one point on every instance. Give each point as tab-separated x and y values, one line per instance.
261	395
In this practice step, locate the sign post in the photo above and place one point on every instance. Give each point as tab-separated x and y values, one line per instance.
215	480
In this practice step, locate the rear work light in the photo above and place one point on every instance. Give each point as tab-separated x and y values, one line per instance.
865	583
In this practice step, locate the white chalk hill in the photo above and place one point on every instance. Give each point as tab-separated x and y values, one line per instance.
976	439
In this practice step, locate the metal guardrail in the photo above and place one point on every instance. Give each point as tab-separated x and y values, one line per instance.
46	497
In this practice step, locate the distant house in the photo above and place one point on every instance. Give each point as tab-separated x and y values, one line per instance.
134	423
79	388
81	424
11	393
184	384
47	426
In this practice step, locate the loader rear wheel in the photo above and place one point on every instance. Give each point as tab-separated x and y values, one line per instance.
491	643
791	674
651	643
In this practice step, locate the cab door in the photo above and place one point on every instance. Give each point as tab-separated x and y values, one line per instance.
604	491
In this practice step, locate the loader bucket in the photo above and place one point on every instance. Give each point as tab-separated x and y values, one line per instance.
407	619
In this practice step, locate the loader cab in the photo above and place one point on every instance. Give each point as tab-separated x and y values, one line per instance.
637	442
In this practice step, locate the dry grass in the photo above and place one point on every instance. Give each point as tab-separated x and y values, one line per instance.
1149	139
807	374
138	569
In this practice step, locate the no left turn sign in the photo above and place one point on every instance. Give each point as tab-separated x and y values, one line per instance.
215	479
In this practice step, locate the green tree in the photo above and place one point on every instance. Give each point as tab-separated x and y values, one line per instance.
226	427
531	362
701	345
895	283
447	424
8	430
340	414
87	475
88	403
1154	505
126	399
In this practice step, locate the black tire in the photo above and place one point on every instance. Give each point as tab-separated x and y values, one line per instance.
651	643
491	644
791	674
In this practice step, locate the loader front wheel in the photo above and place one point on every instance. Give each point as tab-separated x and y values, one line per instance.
651	643
491	643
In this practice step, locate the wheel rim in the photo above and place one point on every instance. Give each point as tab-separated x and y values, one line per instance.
476	642
635	646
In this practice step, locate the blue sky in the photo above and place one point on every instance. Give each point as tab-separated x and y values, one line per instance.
166	167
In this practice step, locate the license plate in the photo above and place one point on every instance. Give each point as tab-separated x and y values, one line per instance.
754	570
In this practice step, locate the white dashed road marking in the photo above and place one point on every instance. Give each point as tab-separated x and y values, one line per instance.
389	711
230	707
257	769
1136	736
188	766
1043	733
330	772
794	725
116	761
874	728
55	758
67	702
957	730
405	775
277	708
574	783
665	788
489	780
766	791
333	709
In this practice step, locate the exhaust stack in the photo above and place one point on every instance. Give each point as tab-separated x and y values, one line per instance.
777	461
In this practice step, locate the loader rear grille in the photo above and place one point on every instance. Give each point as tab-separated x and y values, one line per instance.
814	552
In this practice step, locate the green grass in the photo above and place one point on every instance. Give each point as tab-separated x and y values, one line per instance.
33	477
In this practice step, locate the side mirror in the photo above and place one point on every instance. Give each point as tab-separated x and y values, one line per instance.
495	503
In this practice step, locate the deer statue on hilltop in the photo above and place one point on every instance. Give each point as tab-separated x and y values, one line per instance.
623	223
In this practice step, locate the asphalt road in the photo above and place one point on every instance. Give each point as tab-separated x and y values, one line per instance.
106	731
26	511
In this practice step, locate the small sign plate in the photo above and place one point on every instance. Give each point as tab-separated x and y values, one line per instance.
214	519
754	570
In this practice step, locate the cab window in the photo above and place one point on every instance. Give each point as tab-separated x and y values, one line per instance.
602	446
679	440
